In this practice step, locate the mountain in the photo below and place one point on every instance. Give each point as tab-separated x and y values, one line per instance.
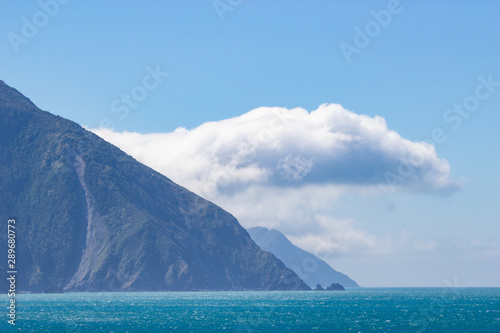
311	269
91	218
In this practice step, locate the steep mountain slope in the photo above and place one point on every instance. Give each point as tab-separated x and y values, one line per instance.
91	218
308	267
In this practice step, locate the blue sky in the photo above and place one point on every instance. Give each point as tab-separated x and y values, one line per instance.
287	54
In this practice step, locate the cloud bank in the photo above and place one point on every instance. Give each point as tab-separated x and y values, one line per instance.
282	168
289	148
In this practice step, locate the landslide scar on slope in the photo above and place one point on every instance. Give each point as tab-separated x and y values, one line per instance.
96	236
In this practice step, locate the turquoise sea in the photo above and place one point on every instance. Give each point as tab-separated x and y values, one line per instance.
355	310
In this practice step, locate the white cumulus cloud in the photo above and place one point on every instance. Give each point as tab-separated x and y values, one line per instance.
282	147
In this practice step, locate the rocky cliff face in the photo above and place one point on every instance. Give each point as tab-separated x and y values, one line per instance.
90	217
307	266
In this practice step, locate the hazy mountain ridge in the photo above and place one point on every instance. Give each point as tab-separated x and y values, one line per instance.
311	269
90	217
